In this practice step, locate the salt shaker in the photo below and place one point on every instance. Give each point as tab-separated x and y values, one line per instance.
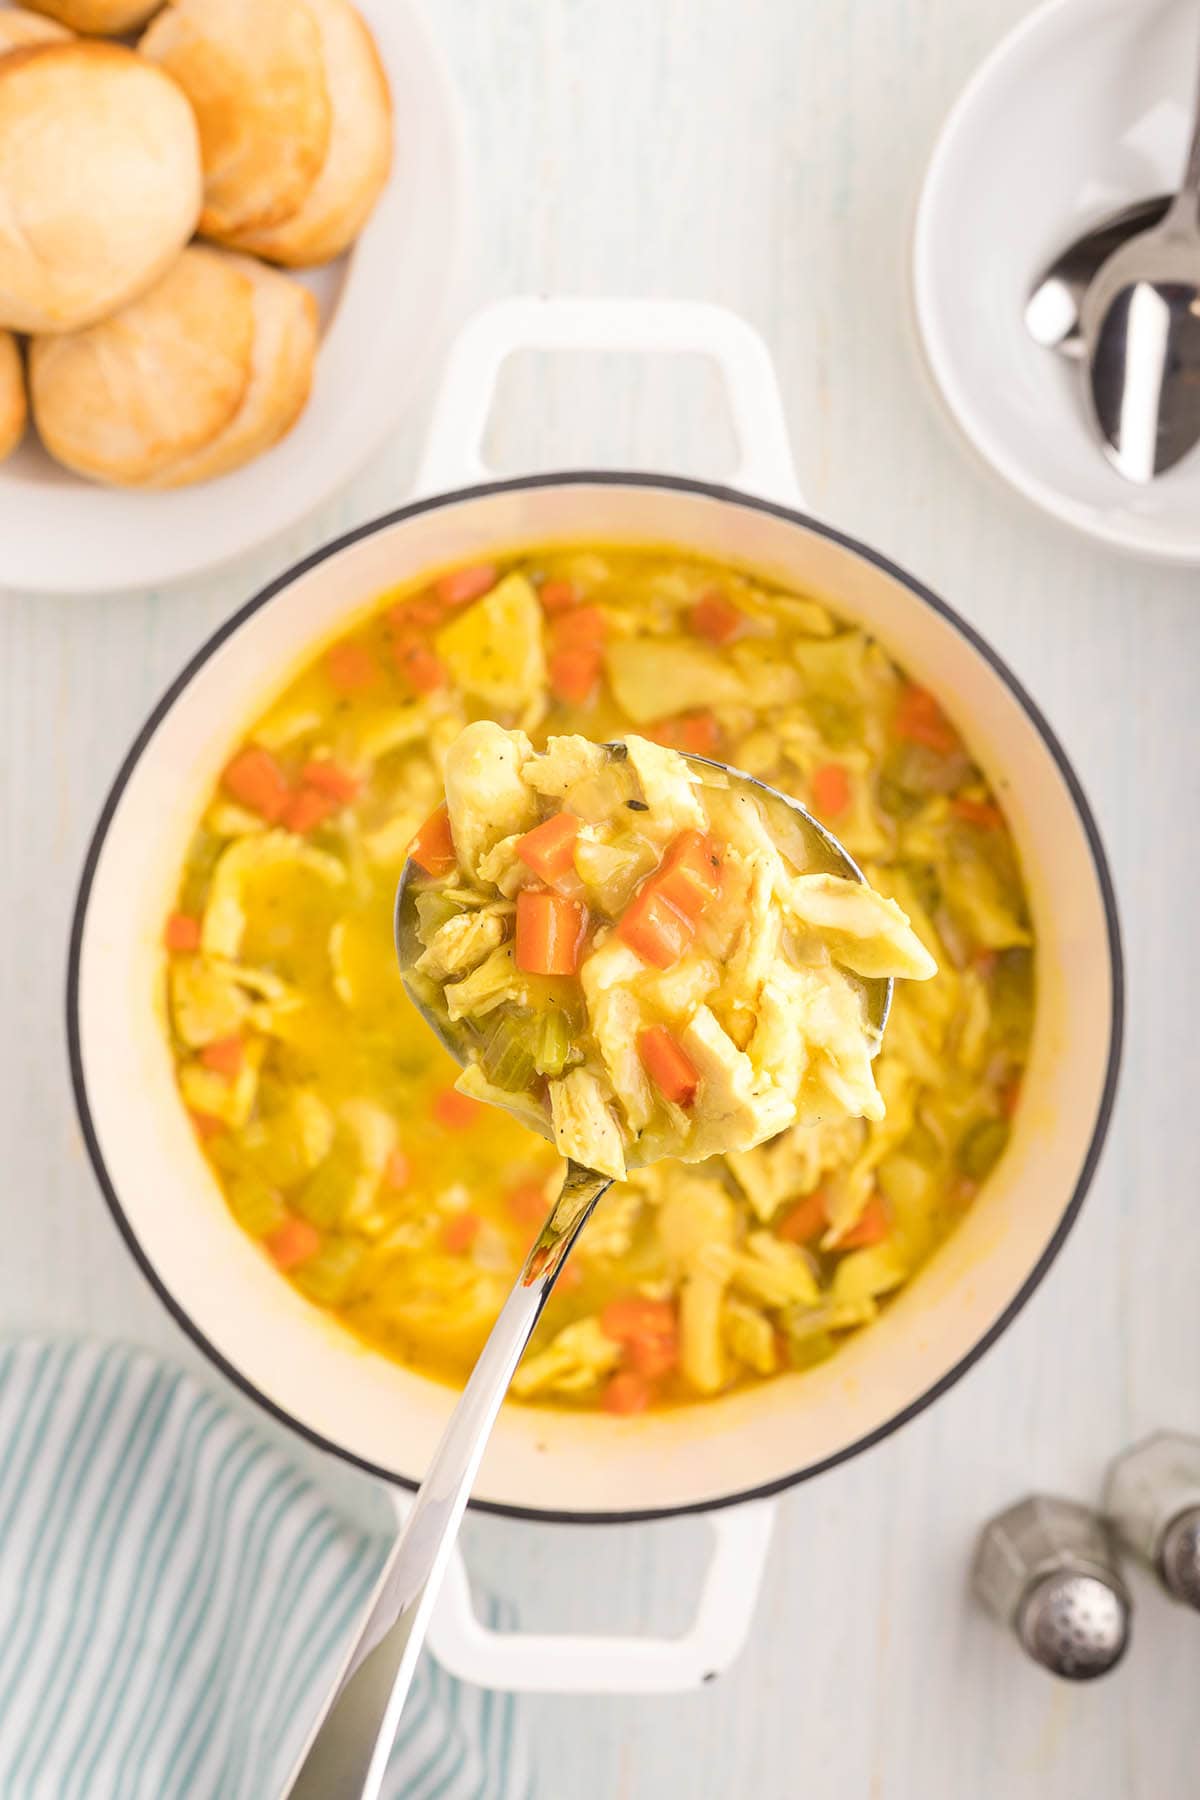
1152	1497
1047	1568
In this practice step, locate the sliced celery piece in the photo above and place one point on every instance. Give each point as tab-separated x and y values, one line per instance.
325	1194
326	1276
254	1203
807	1350
554	1044
983	1147
509	1053
433	909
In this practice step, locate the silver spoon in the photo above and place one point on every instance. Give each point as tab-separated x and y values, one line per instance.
1052	310
348	1747
1140	323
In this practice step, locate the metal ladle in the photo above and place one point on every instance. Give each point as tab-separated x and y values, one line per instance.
349	1745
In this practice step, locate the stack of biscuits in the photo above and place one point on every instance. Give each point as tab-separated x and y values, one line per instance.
151	195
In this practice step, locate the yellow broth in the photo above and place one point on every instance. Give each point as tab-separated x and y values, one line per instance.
327	1109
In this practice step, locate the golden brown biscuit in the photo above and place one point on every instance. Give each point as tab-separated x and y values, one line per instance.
126	398
254	75
285	344
14	409
100	181
340	201
106	18
19	28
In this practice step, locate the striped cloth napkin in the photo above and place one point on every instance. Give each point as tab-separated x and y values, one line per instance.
173	1596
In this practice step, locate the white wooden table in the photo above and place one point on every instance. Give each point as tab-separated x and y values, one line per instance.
765	154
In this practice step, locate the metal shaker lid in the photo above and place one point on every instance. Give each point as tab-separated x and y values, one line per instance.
1074	1624
1152	1496
1047	1568
1179	1557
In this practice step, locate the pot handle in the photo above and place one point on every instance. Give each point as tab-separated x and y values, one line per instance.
454	448
546	1663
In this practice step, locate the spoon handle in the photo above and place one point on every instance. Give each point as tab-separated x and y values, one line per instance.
348	1749
1190	185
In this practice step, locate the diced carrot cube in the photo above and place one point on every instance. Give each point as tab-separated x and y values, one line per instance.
330	778
418	612
633	1315
626	1392
668	1065
872	1227
529	1205
549	849
715	618
307	809
550	933
182	932
690	875
919	718
462	585
558	597
658	931
696	733
574	674
424	672
654	1357
293	1243
984	813
830	790
255	780
460	1232
225	1055
454	1110
581	628
351	668
207	1125
397	1169
699	734
433	847
804	1220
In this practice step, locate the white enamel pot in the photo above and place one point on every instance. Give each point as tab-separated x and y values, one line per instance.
560	1465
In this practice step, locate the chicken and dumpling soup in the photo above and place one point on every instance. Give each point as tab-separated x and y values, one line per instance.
329	1112
644	957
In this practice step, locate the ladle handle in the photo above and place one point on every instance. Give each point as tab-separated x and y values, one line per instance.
348	1748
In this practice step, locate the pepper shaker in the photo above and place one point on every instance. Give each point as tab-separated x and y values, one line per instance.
1152	1497
1047	1568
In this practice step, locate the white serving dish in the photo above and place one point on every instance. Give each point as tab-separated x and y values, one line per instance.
546	1464
1083	109
386	310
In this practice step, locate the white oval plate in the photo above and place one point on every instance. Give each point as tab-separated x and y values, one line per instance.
385	308
1083	109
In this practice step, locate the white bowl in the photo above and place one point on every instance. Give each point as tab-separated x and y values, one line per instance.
561	1464
386	309
1085	108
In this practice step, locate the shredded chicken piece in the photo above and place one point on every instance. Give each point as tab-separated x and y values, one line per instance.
585	1127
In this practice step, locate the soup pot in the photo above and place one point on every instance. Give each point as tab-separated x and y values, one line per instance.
543	1463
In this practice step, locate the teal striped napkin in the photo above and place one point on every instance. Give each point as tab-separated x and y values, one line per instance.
173	1597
